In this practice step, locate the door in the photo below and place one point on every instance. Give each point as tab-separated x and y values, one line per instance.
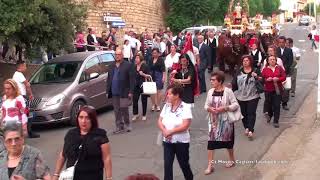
91	87
106	60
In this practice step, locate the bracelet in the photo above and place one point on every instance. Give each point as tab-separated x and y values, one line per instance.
56	174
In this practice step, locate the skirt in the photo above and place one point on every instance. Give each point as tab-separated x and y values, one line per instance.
157	77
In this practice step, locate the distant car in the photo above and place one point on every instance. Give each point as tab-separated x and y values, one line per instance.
304	21
201	29
64	84
289	19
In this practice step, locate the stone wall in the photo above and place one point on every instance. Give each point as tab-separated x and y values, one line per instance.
137	14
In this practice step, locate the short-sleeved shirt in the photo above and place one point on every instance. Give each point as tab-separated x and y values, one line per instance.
171	120
14	110
19	78
90	162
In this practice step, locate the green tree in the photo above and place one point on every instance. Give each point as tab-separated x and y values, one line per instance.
270	7
49	24
186	13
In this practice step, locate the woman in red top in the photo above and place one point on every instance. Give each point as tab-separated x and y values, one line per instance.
273	76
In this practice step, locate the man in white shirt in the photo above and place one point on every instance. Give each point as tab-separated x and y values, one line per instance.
294	67
25	90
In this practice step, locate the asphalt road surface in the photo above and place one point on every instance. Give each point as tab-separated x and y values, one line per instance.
137	152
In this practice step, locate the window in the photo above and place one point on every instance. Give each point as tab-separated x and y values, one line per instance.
107	59
92	66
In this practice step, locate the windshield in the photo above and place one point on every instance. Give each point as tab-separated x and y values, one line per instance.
56	73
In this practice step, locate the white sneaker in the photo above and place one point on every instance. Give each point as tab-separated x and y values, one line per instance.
135	117
144	118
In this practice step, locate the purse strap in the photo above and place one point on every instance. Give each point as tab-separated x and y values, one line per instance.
80	151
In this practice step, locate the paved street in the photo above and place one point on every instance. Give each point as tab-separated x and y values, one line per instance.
137	151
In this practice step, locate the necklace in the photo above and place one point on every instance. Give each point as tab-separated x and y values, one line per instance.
175	110
15	158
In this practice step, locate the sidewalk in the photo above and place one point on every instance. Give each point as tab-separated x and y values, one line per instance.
295	155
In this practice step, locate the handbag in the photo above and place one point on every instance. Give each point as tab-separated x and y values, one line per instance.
259	86
287	83
149	87
68	173
234	116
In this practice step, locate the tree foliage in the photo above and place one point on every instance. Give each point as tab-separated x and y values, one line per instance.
49	24
265	7
184	14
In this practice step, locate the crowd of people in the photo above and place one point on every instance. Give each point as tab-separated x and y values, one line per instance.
177	65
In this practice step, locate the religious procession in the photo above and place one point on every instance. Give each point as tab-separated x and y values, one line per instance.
204	89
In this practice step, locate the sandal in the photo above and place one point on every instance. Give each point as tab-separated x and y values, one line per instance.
246	132
230	164
250	136
209	171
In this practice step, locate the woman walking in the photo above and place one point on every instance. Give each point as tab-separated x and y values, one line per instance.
19	161
159	76
185	77
174	123
88	145
14	109
245	90
142	74
220	100
273	75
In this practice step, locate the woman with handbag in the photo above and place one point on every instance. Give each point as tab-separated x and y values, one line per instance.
13	107
273	76
86	150
245	86
219	103
142	74
19	161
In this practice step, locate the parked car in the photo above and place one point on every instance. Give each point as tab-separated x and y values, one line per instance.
289	19
304	21
201	29
66	83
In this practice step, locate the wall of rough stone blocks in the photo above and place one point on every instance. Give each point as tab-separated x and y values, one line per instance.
138	14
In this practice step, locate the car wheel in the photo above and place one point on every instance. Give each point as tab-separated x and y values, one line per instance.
74	112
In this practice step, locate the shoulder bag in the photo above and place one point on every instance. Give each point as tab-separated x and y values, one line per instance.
234	116
68	173
149	87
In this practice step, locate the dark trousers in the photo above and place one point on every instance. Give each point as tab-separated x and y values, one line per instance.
181	150
273	105
248	110
285	95
213	59
121	113
144	101
202	80
29	123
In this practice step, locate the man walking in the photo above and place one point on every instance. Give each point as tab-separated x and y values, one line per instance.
205	57
287	58
25	90
120	86
212	42
294	67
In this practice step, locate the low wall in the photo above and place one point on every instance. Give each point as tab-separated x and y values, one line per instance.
7	71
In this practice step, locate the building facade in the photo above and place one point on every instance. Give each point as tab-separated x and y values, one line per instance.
136	15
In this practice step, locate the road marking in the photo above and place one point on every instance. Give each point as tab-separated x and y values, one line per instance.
302	40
